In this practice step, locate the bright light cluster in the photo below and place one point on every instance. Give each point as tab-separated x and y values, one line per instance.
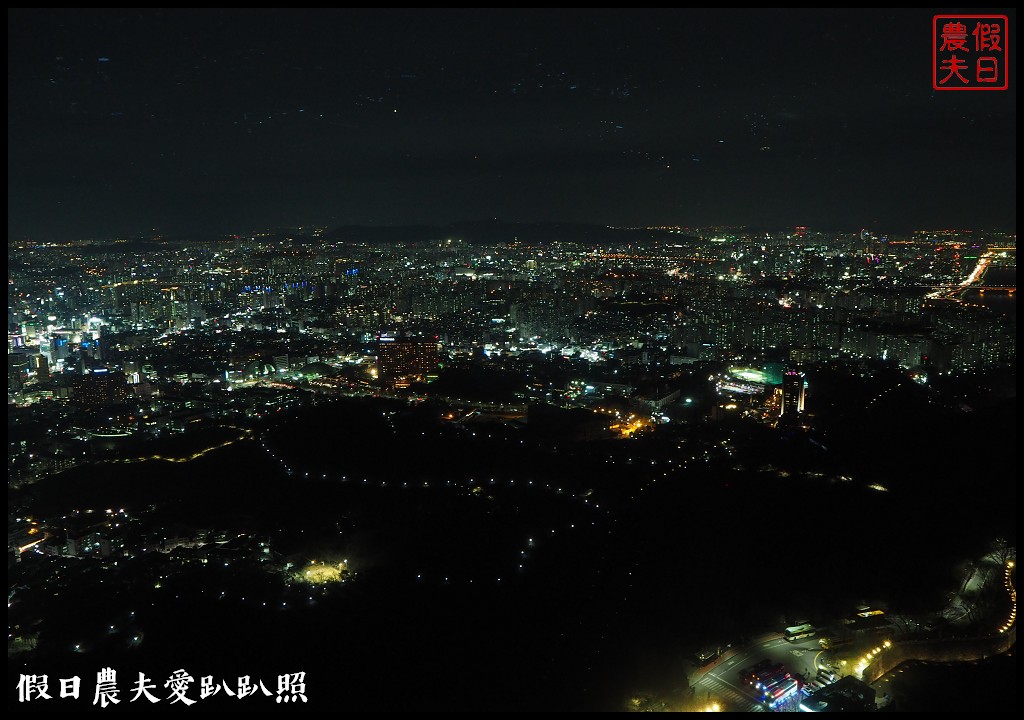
1008	582
321	573
870	656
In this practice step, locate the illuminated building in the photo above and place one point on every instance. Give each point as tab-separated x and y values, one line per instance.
794	387
59	347
41	367
100	388
88	544
17	368
401	360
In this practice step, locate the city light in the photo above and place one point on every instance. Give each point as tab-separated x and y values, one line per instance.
323	573
1012	592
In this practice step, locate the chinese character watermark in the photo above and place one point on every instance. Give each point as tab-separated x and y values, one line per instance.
969	52
291	687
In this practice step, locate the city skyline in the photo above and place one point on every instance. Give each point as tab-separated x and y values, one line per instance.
407	447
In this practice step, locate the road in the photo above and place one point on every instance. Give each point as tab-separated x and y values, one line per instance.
722	683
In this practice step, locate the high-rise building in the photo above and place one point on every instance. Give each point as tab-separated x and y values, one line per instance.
59	349
401	360
100	388
17	369
794	387
41	367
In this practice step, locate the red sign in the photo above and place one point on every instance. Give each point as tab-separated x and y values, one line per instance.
969	52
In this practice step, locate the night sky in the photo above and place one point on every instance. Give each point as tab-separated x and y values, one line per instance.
184	122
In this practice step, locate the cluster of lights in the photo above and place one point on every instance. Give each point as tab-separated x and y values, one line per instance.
187	458
950	292
870	656
1008	582
631	425
321	573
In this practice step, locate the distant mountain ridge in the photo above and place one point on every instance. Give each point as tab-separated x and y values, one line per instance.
482	232
491	232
